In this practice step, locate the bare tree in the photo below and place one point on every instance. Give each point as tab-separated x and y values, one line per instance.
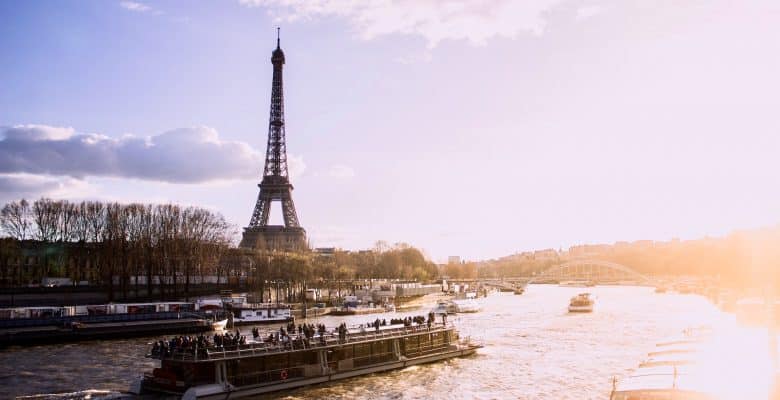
46	215
16	219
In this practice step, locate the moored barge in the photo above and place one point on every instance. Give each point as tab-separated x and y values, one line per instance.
240	370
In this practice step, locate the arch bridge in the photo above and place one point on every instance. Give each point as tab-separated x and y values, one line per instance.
595	271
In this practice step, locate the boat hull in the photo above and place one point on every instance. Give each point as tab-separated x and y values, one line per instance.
580	309
219	392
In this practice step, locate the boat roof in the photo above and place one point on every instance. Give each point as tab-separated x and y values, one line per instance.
263	306
673	351
667	377
691	341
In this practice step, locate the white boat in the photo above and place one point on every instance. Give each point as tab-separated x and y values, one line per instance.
445	307
456	306
574	284
248	313
467	306
582	302
219	325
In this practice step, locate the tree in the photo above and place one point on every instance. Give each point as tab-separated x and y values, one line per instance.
16	219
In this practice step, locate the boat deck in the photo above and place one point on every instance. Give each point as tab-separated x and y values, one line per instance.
253	349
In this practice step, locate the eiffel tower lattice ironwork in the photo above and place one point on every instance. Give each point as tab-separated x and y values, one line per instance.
275	185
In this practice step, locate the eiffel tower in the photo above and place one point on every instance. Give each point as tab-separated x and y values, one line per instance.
275	185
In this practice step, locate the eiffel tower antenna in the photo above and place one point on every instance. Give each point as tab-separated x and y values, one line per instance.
275	184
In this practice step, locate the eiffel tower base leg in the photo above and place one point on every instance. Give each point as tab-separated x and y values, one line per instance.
276	238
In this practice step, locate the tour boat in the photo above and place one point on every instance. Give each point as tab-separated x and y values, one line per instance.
252	369
582	302
261	313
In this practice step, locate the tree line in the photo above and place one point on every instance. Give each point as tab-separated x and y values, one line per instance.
109	242
748	258
167	248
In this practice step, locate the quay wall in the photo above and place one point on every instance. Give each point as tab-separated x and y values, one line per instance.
417	290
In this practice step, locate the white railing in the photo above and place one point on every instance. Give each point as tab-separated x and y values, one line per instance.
298	343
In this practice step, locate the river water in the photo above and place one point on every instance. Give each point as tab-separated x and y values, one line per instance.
534	349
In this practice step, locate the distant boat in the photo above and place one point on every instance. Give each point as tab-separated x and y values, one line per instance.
574	284
582	302
445	307
520	290
219	325
467	306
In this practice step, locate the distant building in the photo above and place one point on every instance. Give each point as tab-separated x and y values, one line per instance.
547	254
589	250
453	260
325	251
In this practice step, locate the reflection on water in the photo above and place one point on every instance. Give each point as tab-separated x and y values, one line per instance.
534	349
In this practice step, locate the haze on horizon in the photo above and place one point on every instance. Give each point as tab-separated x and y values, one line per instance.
466	128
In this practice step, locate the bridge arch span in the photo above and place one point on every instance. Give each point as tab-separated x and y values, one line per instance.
591	270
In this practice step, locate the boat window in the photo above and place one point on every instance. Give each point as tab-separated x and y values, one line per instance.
274	362
296	358
411	344
310	357
362	350
343	353
380	347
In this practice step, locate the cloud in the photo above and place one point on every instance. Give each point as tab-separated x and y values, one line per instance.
134	6
17	186
185	155
472	20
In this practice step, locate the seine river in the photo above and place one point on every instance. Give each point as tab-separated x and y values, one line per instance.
534	349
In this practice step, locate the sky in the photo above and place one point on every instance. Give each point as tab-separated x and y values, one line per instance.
471	128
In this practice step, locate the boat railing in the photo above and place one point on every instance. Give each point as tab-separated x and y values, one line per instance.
263	306
251	349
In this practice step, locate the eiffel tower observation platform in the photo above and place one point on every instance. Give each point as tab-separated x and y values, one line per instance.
275	184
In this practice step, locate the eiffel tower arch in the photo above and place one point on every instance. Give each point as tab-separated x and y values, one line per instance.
275	185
